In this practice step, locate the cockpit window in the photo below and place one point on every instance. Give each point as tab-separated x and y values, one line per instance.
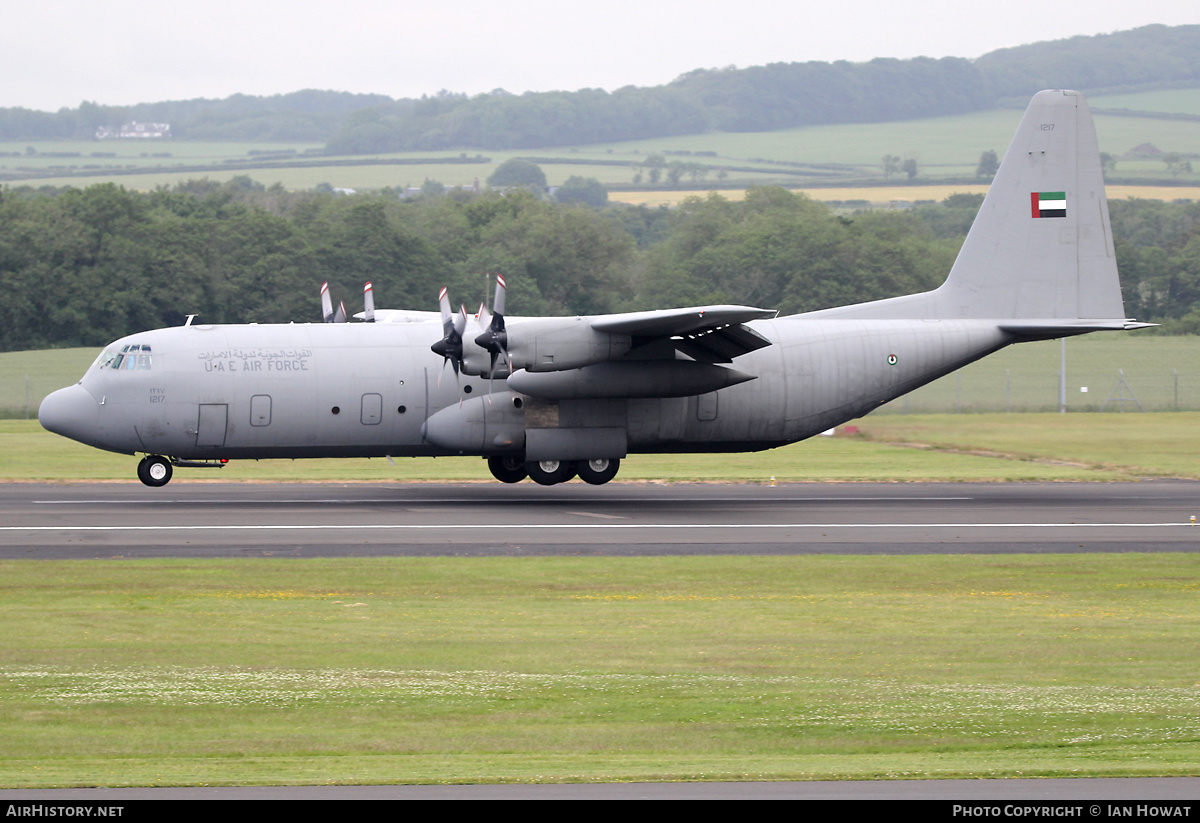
130	357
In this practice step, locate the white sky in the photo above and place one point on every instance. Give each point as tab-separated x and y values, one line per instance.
56	53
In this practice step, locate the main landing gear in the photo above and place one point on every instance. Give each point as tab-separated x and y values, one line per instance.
551	472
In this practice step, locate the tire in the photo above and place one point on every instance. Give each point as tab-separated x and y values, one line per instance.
598	472
154	471
550	472
507	469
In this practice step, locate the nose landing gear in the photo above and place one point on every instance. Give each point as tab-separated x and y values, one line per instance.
154	470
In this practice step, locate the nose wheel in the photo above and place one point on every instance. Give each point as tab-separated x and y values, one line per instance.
154	470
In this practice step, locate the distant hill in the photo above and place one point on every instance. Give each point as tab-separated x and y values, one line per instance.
759	98
308	115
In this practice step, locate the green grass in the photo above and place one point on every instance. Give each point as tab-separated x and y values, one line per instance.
28	453
26	377
942	146
1153	445
1173	101
568	669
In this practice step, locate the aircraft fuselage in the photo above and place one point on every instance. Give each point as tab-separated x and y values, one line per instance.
369	390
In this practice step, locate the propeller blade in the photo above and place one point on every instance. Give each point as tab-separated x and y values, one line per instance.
444	307
340	315
326	304
368	303
499	299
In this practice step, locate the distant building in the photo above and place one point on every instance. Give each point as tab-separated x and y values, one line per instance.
135	131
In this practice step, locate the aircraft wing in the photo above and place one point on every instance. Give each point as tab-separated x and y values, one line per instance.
402	316
708	334
499	346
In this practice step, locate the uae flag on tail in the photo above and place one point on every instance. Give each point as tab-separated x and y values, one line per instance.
1049	203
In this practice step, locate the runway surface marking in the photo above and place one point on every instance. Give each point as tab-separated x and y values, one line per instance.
578	526
487	501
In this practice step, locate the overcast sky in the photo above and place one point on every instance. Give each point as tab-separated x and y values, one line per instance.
56	53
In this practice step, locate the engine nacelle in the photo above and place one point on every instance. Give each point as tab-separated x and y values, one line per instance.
491	424
546	344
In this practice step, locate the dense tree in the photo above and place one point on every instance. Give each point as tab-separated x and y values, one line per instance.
518	172
989	164
586	190
85	266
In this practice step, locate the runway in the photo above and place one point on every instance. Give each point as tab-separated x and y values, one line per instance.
205	519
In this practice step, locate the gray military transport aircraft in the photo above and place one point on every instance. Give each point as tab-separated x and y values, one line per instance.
552	398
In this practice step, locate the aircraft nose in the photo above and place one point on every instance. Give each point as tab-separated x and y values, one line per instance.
71	412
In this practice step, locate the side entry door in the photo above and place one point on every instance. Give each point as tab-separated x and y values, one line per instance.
210	430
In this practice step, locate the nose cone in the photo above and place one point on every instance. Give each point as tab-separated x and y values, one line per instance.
71	412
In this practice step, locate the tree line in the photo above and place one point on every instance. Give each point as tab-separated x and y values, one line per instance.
776	96
81	267
758	98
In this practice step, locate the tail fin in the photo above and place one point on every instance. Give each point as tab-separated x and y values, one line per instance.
1041	246
1039	257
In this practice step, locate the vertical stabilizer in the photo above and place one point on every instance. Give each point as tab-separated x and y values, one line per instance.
1041	246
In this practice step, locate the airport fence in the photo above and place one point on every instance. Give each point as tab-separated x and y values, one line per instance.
1113	373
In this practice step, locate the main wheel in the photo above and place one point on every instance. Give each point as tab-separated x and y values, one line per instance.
597	472
154	471
507	469
550	472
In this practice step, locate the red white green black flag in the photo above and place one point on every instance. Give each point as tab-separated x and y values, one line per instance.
1049	203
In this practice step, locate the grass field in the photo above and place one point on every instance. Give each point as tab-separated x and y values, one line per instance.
164	672
945	447
943	147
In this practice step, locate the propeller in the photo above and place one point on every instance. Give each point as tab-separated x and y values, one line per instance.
450	347
495	336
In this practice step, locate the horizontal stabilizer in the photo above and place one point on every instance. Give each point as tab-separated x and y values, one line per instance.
1050	329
